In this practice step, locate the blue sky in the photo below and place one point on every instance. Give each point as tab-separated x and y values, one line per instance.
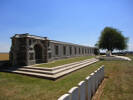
76	21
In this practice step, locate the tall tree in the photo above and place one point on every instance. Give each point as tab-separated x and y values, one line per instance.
111	39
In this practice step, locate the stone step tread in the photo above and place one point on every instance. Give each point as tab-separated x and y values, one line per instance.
70	67
30	73
73	69
35	70
49	76
73	63
58	67
52	72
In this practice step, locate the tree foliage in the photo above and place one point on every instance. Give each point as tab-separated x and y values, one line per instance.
111	39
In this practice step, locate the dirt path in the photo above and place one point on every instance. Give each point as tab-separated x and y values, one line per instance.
99	91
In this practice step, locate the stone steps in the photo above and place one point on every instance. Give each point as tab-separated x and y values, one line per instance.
30	73
53	73
58	67
72	70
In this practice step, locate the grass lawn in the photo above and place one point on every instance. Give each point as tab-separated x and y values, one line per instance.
64	61
19	87
4	56
119	85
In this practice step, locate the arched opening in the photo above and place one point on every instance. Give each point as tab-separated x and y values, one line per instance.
38	53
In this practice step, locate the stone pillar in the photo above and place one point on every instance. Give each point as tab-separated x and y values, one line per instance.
27	49
18	51
46	46
67	50
13	51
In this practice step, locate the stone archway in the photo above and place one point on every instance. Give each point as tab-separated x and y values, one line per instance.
38	53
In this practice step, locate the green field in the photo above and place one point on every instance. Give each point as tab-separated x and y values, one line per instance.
118	85
64	61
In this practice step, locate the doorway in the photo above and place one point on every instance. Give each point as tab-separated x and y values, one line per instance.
38	53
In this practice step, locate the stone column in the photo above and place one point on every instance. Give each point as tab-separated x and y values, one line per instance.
46	45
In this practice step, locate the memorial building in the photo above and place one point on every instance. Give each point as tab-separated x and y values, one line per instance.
28	49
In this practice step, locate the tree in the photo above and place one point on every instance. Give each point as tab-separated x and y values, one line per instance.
111	39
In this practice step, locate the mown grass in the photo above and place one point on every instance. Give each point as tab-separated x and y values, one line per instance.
20	87
118	85
4	56
64	61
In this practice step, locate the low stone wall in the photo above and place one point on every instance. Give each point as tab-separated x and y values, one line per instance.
114	57
87	88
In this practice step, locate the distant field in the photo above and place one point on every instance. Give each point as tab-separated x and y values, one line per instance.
4	56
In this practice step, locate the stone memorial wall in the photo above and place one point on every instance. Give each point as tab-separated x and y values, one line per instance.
28	49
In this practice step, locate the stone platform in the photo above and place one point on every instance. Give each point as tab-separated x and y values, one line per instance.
51	73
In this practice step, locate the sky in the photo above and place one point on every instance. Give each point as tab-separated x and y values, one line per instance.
74	21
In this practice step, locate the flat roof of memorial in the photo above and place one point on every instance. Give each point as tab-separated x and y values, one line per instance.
45	38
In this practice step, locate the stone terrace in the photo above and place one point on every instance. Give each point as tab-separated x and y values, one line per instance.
51	73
